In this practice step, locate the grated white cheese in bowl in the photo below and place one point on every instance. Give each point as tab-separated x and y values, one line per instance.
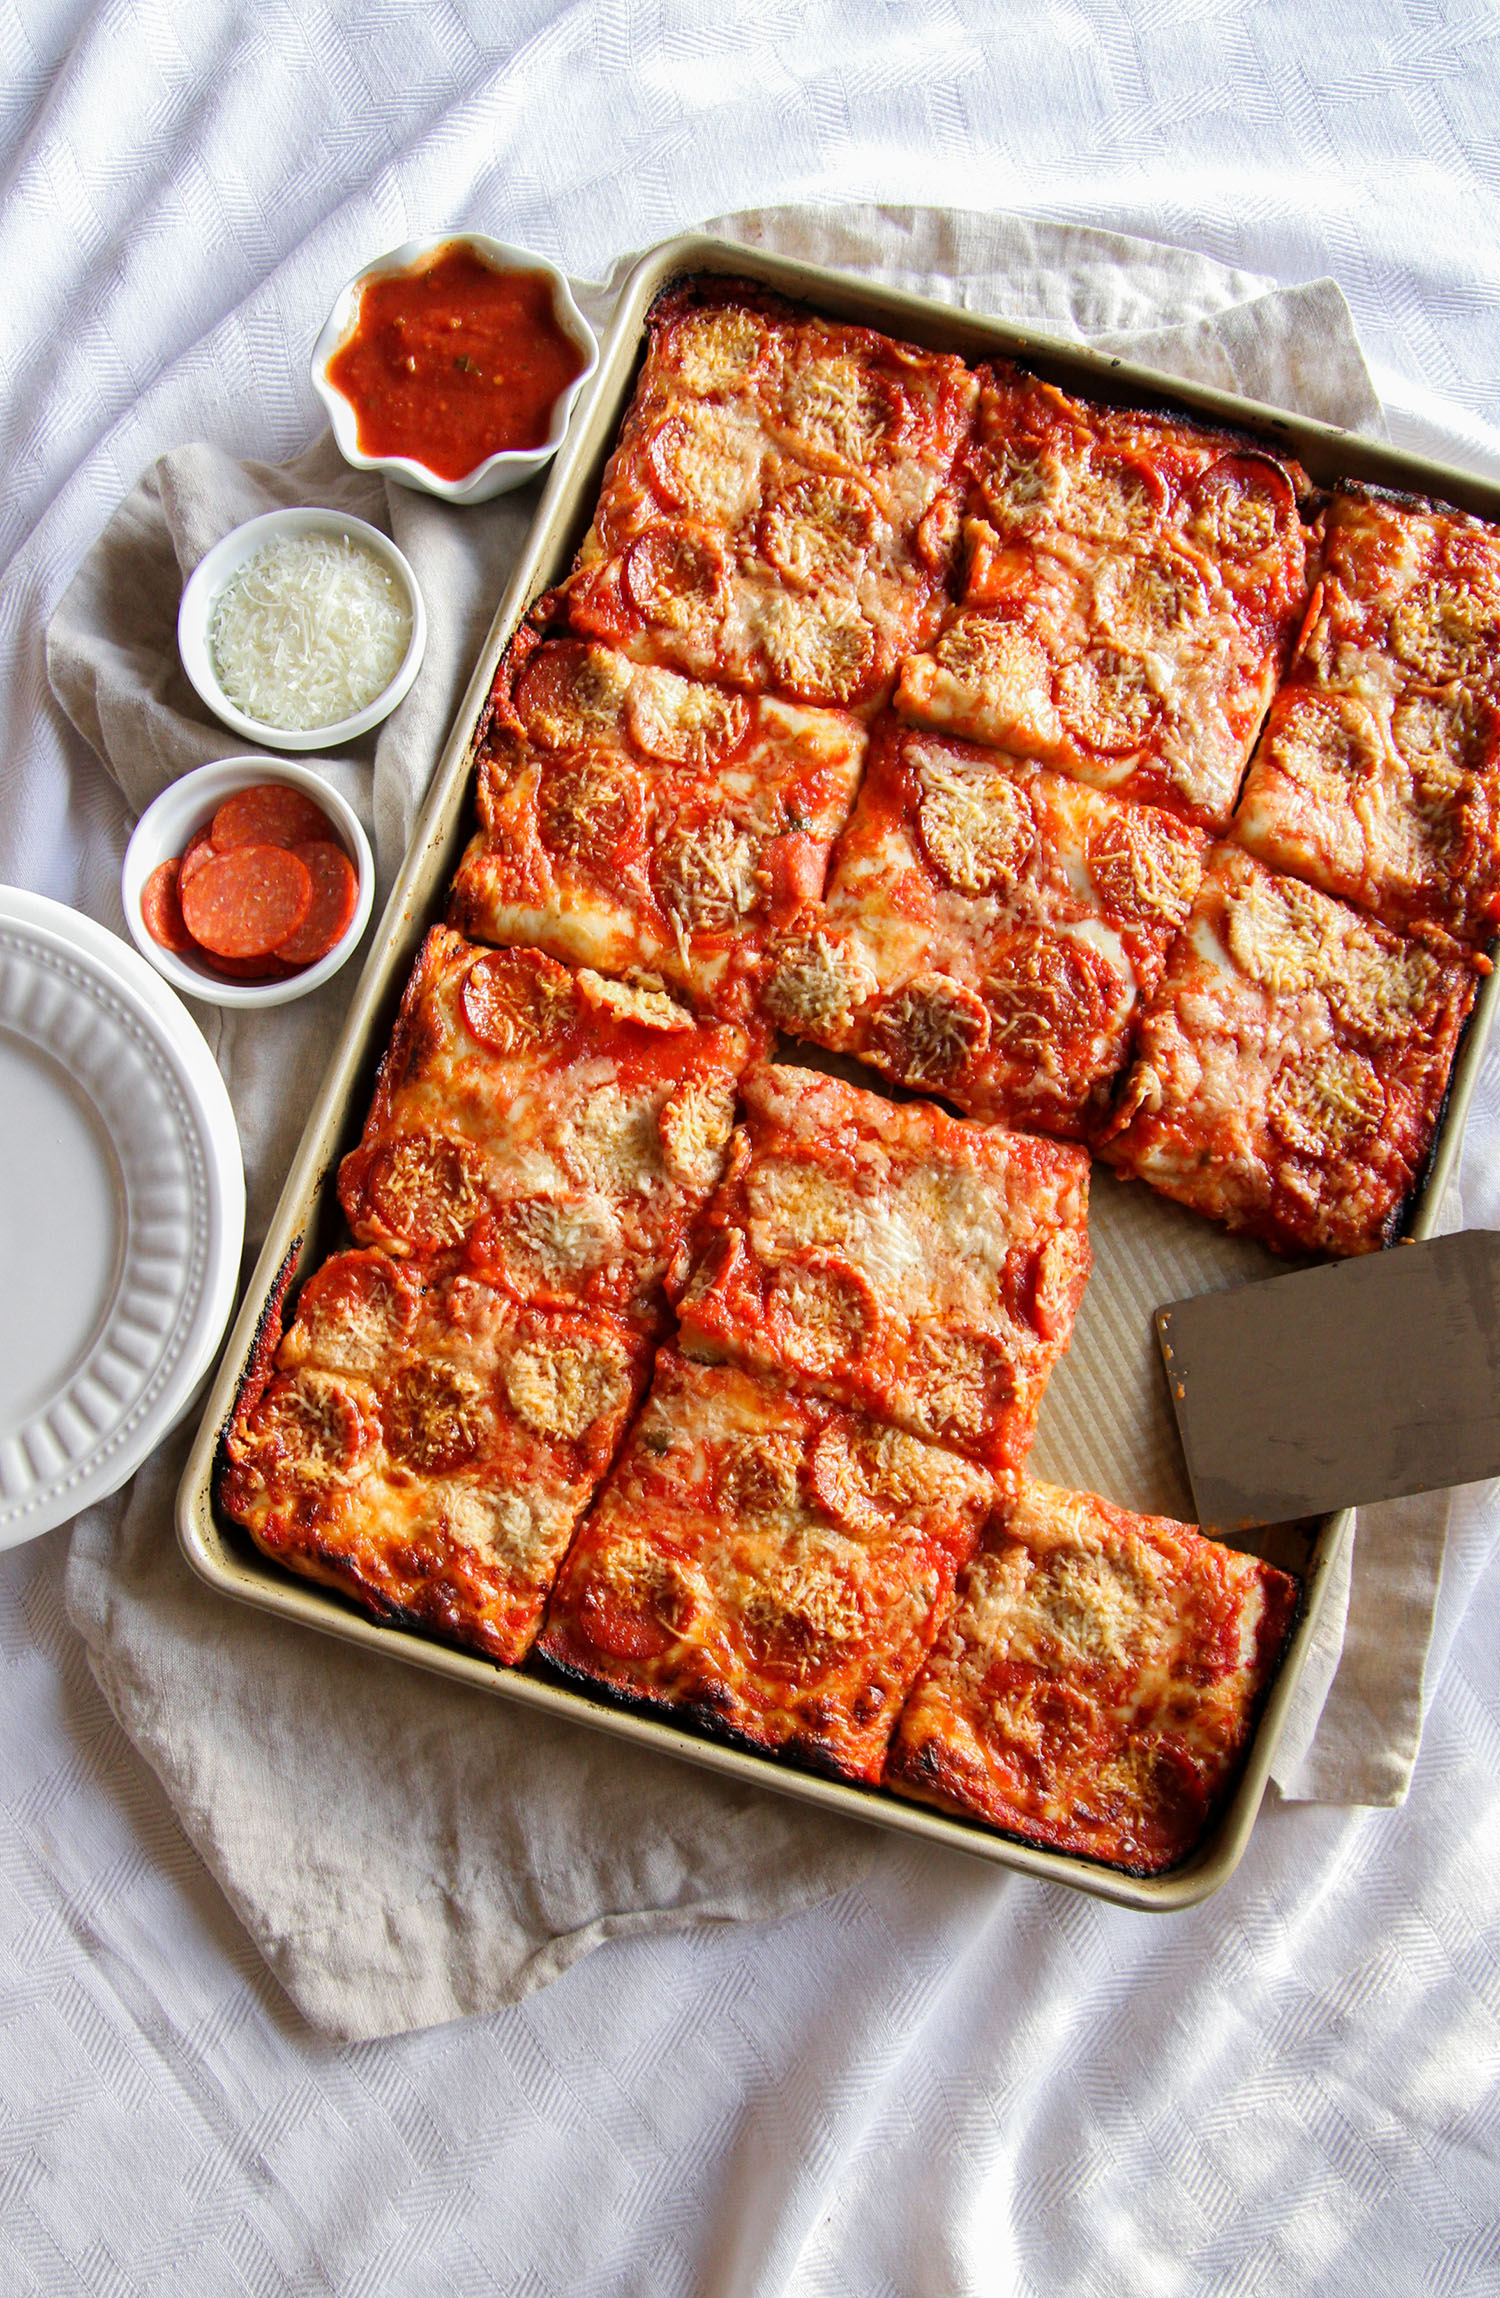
309	632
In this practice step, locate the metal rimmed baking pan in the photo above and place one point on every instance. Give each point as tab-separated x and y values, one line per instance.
307	1223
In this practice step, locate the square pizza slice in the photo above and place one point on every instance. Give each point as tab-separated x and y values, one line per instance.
989	931
428	1446
1096	1684
893	1258
1378	775
558	1130
1134	587
1290	1071
636	821
773	1566
780	510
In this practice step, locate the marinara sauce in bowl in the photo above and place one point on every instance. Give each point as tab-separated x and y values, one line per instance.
453	364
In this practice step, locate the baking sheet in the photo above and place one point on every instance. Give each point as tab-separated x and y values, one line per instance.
1106	1422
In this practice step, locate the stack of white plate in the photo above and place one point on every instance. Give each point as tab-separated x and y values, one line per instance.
122	1212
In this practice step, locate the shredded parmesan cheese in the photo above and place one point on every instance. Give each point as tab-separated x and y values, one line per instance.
309	632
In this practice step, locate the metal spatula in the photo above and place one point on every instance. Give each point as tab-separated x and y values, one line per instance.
1359	1381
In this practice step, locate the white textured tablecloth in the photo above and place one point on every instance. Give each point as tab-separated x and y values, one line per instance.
933	2085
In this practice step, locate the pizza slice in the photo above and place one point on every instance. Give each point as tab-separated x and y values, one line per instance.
1095	1686
771	1565
1290	1071
894	1259
636	821
1134	587
989	931
780	510
428	1447
558	1130
1378	776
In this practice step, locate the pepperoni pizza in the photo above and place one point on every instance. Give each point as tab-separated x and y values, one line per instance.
771	1564
989	930
1378	775
894	1259
780	511
1291	1068
428	1446
558	1130
1095	1687
637	821
1134	585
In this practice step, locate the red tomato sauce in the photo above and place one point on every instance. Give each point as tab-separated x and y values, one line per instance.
454	362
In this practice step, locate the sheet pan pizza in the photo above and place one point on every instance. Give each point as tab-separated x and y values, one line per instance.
904	710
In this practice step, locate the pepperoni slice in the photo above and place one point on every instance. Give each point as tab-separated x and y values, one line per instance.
425	1190
355	1309
570	696
614	1627
1242	504
161	911
247	902
823	1312
310	1428
198	851
516	998
335	898
268	814
435	1418
675	577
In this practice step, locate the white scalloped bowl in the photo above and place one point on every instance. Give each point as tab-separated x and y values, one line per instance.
499	473
186	806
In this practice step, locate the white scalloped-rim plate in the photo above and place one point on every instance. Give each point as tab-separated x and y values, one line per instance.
122	1212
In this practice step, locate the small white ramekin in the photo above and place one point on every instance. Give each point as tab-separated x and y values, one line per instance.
217	570
498	473
189	804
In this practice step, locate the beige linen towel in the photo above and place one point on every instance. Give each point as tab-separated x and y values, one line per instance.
400	1851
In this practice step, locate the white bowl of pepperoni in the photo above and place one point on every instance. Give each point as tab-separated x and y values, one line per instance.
247	883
